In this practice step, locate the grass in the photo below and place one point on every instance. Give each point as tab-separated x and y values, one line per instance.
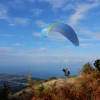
83	87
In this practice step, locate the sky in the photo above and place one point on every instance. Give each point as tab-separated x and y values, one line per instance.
22	47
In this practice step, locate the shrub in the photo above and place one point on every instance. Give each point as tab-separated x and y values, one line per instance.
87	68
41	88
51	78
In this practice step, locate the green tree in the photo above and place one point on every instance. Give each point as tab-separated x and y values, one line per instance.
97	64
86	68
4	92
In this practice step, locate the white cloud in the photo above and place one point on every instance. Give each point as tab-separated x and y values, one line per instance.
85	39
87	45
89	35
96	36
40	23
3	12
17	20
80	11
18	44
69	6
20	3
80	61
37	11
5	35
35	52
43	49
11	24
37	34
84	31
12	21
5	49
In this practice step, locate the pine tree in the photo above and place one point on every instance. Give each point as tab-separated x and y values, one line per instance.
4	92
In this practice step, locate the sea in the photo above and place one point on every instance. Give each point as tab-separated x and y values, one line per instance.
44	70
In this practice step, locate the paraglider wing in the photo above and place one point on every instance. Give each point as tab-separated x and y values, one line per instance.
64	29
44	31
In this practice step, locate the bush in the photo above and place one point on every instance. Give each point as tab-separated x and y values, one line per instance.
87	68
51	78
41	88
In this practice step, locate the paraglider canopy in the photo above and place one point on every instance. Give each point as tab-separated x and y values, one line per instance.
62	28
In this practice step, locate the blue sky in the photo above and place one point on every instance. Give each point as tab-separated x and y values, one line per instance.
21	22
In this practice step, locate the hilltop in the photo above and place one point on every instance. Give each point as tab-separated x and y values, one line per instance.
86	86
54	83
83	87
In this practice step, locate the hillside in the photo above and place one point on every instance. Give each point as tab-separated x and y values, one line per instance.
60	81
29	92
84	87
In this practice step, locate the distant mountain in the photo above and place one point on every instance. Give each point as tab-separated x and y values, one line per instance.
17	82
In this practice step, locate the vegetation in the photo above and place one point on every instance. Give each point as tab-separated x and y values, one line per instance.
97	64
49	79
84	87
86	68
29	78
4	92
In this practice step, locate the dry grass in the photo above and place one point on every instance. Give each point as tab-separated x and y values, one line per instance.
84	87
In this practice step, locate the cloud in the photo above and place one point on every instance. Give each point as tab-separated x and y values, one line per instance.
37	34
41	49
80	61
11	24
3	12
87	45
39	55
88	35
37	11
85	39
96	36
80	11
40	23
18	44
12	21
19	3
68	6
5	49
17	20
5	35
